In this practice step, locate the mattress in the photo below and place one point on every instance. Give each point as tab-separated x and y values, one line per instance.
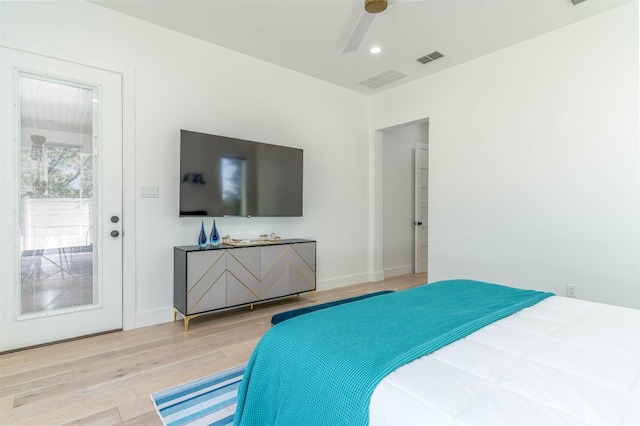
561	361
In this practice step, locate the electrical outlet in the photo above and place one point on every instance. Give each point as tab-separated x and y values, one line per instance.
572	291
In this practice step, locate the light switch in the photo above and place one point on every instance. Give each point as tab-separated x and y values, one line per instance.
152	191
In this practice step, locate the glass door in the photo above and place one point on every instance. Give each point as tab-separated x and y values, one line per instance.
67	141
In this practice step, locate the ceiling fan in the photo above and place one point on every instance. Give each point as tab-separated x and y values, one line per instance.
371	8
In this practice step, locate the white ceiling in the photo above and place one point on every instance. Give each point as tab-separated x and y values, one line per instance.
308	36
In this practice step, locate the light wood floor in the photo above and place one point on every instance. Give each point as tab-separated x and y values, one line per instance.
107	379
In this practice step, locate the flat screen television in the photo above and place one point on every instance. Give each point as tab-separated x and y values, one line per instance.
222	176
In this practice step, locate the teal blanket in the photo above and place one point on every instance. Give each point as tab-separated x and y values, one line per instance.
321	368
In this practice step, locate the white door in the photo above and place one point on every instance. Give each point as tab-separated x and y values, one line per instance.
421	168
61	182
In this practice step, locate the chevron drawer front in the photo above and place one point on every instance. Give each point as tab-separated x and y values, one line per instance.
288	270
206	281
215	278
243	272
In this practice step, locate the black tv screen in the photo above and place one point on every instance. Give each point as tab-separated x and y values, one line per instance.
222	176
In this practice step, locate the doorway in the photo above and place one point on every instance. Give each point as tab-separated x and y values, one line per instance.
64	189
399	211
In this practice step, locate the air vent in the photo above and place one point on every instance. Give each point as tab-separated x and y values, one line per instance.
385	77
575	2
432	56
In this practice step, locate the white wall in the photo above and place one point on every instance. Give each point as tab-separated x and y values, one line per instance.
534	161
398	197
533	152
185	83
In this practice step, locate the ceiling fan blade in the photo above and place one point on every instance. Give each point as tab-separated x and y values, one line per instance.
359	32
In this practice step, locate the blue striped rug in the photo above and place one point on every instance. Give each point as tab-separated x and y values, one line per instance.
207	401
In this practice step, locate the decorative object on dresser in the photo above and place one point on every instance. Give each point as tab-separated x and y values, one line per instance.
214	238
264	239
219	277
202	237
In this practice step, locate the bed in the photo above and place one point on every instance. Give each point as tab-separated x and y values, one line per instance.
503	357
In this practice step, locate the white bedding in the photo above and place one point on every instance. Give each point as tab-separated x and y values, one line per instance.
561	361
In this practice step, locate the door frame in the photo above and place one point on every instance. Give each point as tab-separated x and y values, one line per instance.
128	160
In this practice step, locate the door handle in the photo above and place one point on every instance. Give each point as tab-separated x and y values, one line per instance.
114	233
417	223
115	219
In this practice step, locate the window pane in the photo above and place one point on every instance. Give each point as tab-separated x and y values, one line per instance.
57	206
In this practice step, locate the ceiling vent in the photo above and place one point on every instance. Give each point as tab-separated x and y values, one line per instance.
432	56
575	2
385	77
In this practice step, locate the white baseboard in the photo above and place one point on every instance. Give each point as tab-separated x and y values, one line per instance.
398	270
158	316
342	281
377	276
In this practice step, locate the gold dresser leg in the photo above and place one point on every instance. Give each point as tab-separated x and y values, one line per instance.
251	306
315	298
185	318
188	318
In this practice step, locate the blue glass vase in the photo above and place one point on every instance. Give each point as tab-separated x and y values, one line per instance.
202	238
214	238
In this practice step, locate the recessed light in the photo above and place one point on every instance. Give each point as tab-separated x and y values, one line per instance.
375	50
